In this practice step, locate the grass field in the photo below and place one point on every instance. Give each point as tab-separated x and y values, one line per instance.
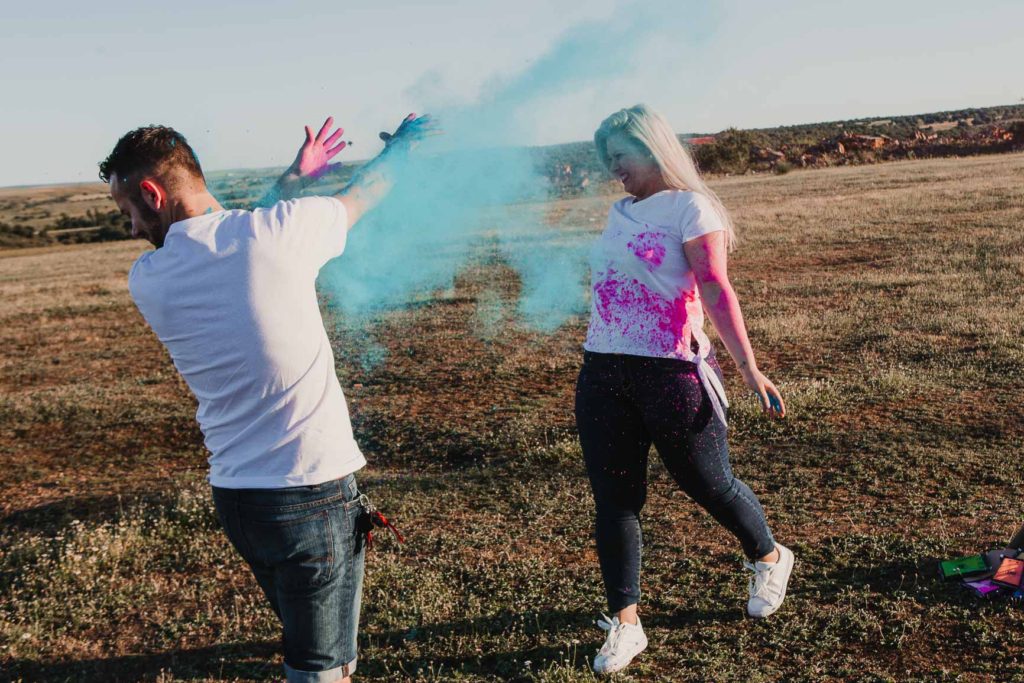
886	302
38	207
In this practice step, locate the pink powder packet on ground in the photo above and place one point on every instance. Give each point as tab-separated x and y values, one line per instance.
984	587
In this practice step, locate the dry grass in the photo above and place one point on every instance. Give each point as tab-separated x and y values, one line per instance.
886	301
39	207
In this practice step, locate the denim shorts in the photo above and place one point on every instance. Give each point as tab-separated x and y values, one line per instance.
303	547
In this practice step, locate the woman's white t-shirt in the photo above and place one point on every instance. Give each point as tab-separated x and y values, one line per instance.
645	300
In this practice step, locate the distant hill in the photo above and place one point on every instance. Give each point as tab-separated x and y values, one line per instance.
896	126
573	167
958	132
27	219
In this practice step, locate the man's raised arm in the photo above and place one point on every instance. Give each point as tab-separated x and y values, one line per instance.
374	179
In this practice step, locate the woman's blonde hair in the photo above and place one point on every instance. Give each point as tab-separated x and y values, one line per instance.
653	132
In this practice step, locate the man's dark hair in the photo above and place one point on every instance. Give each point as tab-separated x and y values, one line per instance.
150	150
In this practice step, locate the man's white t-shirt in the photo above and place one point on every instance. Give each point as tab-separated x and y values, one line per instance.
232	296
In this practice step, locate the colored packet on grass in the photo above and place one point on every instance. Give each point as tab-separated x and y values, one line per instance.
962	565
1010	572
993	558
985	588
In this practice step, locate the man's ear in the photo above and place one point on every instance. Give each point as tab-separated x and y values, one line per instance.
153	194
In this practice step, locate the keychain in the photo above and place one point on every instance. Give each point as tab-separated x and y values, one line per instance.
371	518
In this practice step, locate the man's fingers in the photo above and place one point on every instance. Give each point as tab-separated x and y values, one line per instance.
425	126
309	134
334	137
334	150
411	129
418	122
418	127
324	128
406	122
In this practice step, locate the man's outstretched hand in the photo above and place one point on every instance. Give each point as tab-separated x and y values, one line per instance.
374	179
412	129
312	161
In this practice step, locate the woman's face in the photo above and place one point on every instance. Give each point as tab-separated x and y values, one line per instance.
631	163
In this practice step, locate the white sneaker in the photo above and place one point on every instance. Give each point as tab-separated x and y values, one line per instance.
624	642
768	585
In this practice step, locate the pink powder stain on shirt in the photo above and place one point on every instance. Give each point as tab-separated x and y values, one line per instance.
648	248
628	308
680	313
606	292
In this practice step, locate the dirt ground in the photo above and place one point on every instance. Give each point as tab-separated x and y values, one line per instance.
885	301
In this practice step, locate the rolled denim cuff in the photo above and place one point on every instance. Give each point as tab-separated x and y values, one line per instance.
329	676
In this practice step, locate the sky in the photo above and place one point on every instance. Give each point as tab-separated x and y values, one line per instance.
241	79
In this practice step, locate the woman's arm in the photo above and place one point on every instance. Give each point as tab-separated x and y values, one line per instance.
707	258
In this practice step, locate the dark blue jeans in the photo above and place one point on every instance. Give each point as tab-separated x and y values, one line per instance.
623	405
303	547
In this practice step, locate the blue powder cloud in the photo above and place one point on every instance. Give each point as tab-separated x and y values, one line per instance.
473	181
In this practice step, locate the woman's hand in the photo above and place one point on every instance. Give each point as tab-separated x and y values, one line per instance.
707	257
767	393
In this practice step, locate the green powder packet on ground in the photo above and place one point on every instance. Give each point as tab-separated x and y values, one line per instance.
962	566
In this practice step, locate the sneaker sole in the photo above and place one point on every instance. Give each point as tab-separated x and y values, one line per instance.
609	672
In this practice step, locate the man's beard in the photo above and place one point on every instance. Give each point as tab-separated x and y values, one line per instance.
154	230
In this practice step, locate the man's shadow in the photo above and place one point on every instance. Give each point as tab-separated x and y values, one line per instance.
504	664
89	509
252	660
259	660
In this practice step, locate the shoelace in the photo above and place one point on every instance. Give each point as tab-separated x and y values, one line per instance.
759	582
614	627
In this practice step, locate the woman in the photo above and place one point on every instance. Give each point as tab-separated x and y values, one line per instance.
649	373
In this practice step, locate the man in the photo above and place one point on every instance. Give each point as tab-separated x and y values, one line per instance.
231	295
